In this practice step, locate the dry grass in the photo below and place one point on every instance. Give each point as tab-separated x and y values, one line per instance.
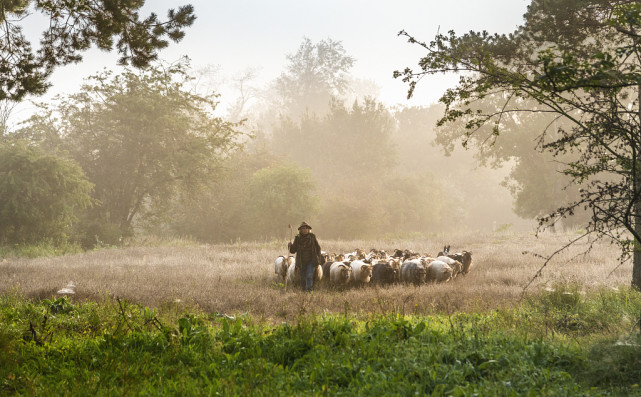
236	278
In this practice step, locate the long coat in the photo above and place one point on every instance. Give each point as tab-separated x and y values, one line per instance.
295	249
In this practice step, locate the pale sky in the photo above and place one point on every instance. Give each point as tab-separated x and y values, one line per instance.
237	34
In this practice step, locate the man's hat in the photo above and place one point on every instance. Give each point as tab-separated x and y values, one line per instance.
304	224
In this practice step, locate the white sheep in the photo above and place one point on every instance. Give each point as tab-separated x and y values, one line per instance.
361	272
293	275
457	267
281	265
438	272
340	273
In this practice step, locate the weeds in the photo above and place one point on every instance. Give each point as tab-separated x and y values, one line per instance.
39	250
184	323
117	347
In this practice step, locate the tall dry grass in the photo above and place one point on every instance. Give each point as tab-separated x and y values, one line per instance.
236	278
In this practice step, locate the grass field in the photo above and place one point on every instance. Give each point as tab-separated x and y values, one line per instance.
239	278
183	319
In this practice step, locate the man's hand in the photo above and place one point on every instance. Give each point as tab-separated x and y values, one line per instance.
289	245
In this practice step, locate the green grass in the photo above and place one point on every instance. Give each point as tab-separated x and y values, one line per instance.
50	249
559	343
42	249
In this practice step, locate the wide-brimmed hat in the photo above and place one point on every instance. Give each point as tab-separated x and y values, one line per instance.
304	224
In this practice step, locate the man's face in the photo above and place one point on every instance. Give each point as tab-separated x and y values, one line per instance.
305	230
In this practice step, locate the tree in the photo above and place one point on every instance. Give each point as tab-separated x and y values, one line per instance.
313	75
346	145
40	194
472	192
6	107
578	60
535	179
74	26
257	195
141	138
280	194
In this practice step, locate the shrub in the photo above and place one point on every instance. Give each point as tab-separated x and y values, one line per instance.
39	194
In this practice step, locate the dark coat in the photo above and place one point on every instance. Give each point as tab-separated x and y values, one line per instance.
296	248
383	273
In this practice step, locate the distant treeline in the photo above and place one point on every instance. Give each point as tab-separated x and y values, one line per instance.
143	152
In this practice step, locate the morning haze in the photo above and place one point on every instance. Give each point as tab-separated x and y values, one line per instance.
303	198
322	126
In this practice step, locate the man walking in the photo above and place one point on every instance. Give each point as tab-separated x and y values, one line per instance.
307	252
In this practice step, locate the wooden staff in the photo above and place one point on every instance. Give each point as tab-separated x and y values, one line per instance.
286	258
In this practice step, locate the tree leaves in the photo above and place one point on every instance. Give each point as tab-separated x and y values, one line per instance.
577	60
73	28
141	138
40	194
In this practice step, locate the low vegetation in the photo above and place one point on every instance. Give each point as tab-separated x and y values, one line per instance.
556	343
180	318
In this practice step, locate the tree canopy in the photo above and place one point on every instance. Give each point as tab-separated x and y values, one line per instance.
350	141
314	74
40	194
74	26
579	61
140	136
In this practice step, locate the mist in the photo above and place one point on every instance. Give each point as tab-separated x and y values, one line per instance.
322	141
316	144
325	149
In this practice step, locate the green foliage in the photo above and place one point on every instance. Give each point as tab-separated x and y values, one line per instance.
615	362
350	152
278	194
348	145
94	229
40	195
39	249
73	28
349	217
578	61
59	347
391	205
258	195
536	180
58	306
141	138
564	309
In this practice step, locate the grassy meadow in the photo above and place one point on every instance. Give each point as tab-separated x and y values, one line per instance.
177	318
239	278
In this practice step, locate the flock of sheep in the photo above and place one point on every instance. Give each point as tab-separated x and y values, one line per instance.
377	267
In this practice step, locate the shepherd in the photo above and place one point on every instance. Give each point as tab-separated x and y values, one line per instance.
307	251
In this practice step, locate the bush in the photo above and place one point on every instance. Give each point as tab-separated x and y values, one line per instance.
39	195
93	231
43	248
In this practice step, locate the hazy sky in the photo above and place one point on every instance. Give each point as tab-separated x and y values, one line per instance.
237	34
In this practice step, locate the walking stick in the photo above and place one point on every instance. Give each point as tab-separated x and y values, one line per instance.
287	256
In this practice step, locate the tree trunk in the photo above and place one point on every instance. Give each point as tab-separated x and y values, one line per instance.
636	258
636	185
